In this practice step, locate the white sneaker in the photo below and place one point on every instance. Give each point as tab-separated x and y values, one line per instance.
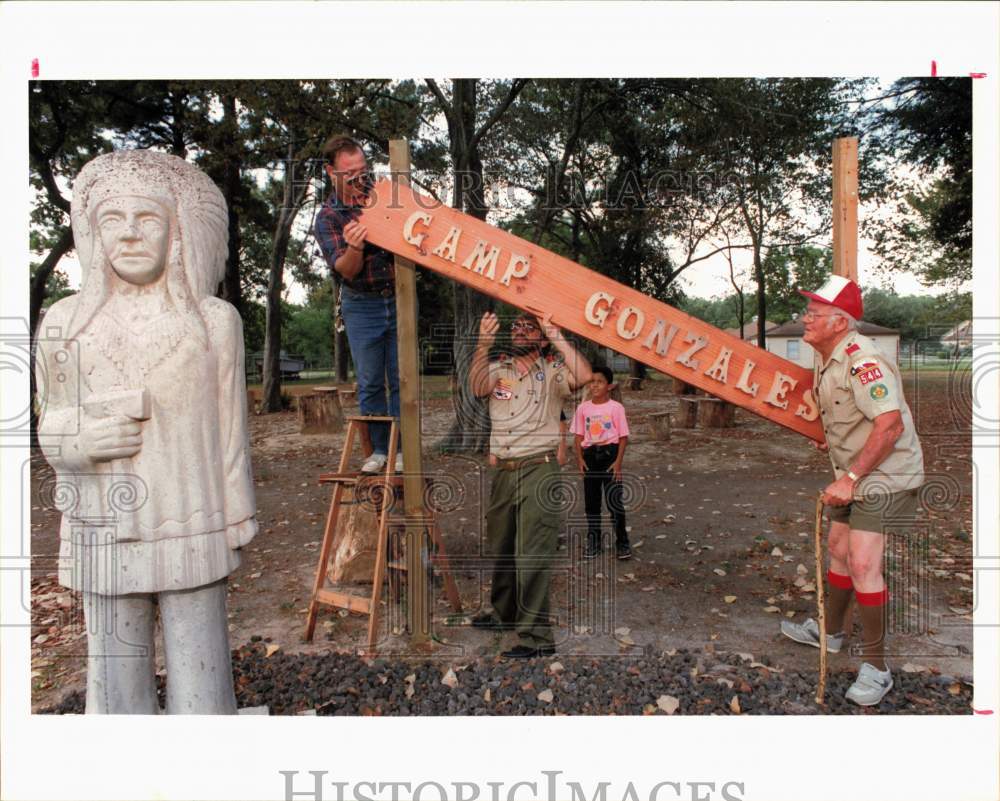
399	463
807	633
375	464
870	687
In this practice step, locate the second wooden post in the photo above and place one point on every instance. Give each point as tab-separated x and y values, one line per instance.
418	608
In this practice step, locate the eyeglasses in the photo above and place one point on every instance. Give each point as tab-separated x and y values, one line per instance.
524	325
363	180
811	315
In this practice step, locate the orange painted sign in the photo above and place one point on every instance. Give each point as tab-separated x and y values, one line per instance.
515	271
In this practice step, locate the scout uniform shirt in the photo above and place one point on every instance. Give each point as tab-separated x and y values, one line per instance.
524	409
855	385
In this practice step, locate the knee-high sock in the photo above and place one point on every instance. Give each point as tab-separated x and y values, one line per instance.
872	608
841	588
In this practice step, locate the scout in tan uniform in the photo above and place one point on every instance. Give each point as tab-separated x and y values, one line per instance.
878	468
526	392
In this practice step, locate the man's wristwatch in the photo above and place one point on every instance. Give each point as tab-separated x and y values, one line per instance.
853	476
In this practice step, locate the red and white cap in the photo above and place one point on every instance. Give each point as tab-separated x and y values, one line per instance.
840	292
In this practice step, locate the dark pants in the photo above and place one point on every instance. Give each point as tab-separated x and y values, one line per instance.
522	527
598	482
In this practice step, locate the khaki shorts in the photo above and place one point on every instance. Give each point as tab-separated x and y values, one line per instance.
878	513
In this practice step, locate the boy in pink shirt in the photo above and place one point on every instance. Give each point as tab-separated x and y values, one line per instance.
601	431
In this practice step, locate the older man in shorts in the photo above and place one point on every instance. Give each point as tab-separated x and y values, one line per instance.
878	467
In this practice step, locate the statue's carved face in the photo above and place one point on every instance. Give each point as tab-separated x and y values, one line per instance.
135	232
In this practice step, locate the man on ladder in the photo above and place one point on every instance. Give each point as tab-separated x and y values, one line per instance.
368	297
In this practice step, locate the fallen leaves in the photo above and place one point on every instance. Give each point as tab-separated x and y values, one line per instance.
771	609
729	599
450	679
734	705
272	649
546	696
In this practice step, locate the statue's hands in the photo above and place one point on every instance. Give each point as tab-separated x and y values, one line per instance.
489	325
106	438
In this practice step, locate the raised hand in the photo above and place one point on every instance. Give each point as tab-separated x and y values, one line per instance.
489	325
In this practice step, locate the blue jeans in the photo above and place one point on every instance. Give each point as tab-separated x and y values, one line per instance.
370	321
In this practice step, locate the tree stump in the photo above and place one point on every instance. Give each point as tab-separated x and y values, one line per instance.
684	388
659	423
253	398
320	412
353	560
715	413
689	412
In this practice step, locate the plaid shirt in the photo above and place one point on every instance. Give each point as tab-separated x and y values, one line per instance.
378	272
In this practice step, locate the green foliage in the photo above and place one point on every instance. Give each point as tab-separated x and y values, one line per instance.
786	271
928	126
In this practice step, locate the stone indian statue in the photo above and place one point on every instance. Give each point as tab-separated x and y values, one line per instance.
144	418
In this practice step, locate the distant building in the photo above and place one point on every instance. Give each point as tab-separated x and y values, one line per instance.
750	330
958	337
786	341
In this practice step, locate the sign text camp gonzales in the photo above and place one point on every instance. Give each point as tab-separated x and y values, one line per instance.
524	275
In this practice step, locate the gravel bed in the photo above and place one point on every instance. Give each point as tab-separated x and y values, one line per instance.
681	682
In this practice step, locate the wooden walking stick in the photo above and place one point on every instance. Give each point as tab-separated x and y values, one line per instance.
818	541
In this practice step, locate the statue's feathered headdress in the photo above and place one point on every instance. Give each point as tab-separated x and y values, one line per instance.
196	261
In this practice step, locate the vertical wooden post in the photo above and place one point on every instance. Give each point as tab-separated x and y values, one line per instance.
845	207
845	257
418	609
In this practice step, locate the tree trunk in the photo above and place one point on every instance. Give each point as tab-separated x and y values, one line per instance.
230	289
758	266
291	203
341	354
271	400
470	432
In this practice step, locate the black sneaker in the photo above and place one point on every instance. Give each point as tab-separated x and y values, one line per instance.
527	652
591	550
623	550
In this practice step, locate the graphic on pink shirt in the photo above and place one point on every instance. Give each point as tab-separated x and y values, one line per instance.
600	424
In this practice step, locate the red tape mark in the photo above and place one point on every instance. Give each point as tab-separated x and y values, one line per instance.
933	69
34	68
977	74
983	711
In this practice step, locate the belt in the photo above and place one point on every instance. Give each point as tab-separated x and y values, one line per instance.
515	464
387	292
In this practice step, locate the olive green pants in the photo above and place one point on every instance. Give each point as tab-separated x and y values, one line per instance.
522	529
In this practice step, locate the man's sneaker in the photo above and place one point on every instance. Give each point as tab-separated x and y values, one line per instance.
399	463
870	687
375	464
591	550
623	550
807	633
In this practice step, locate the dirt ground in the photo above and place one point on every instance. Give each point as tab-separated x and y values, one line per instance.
720	520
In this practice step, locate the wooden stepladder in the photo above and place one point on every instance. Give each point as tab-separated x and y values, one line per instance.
386	484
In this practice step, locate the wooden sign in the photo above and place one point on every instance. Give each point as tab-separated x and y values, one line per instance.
580	300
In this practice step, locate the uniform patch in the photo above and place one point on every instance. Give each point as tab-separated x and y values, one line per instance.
539	376
503	391
860	367
879	392
870	375
852	348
